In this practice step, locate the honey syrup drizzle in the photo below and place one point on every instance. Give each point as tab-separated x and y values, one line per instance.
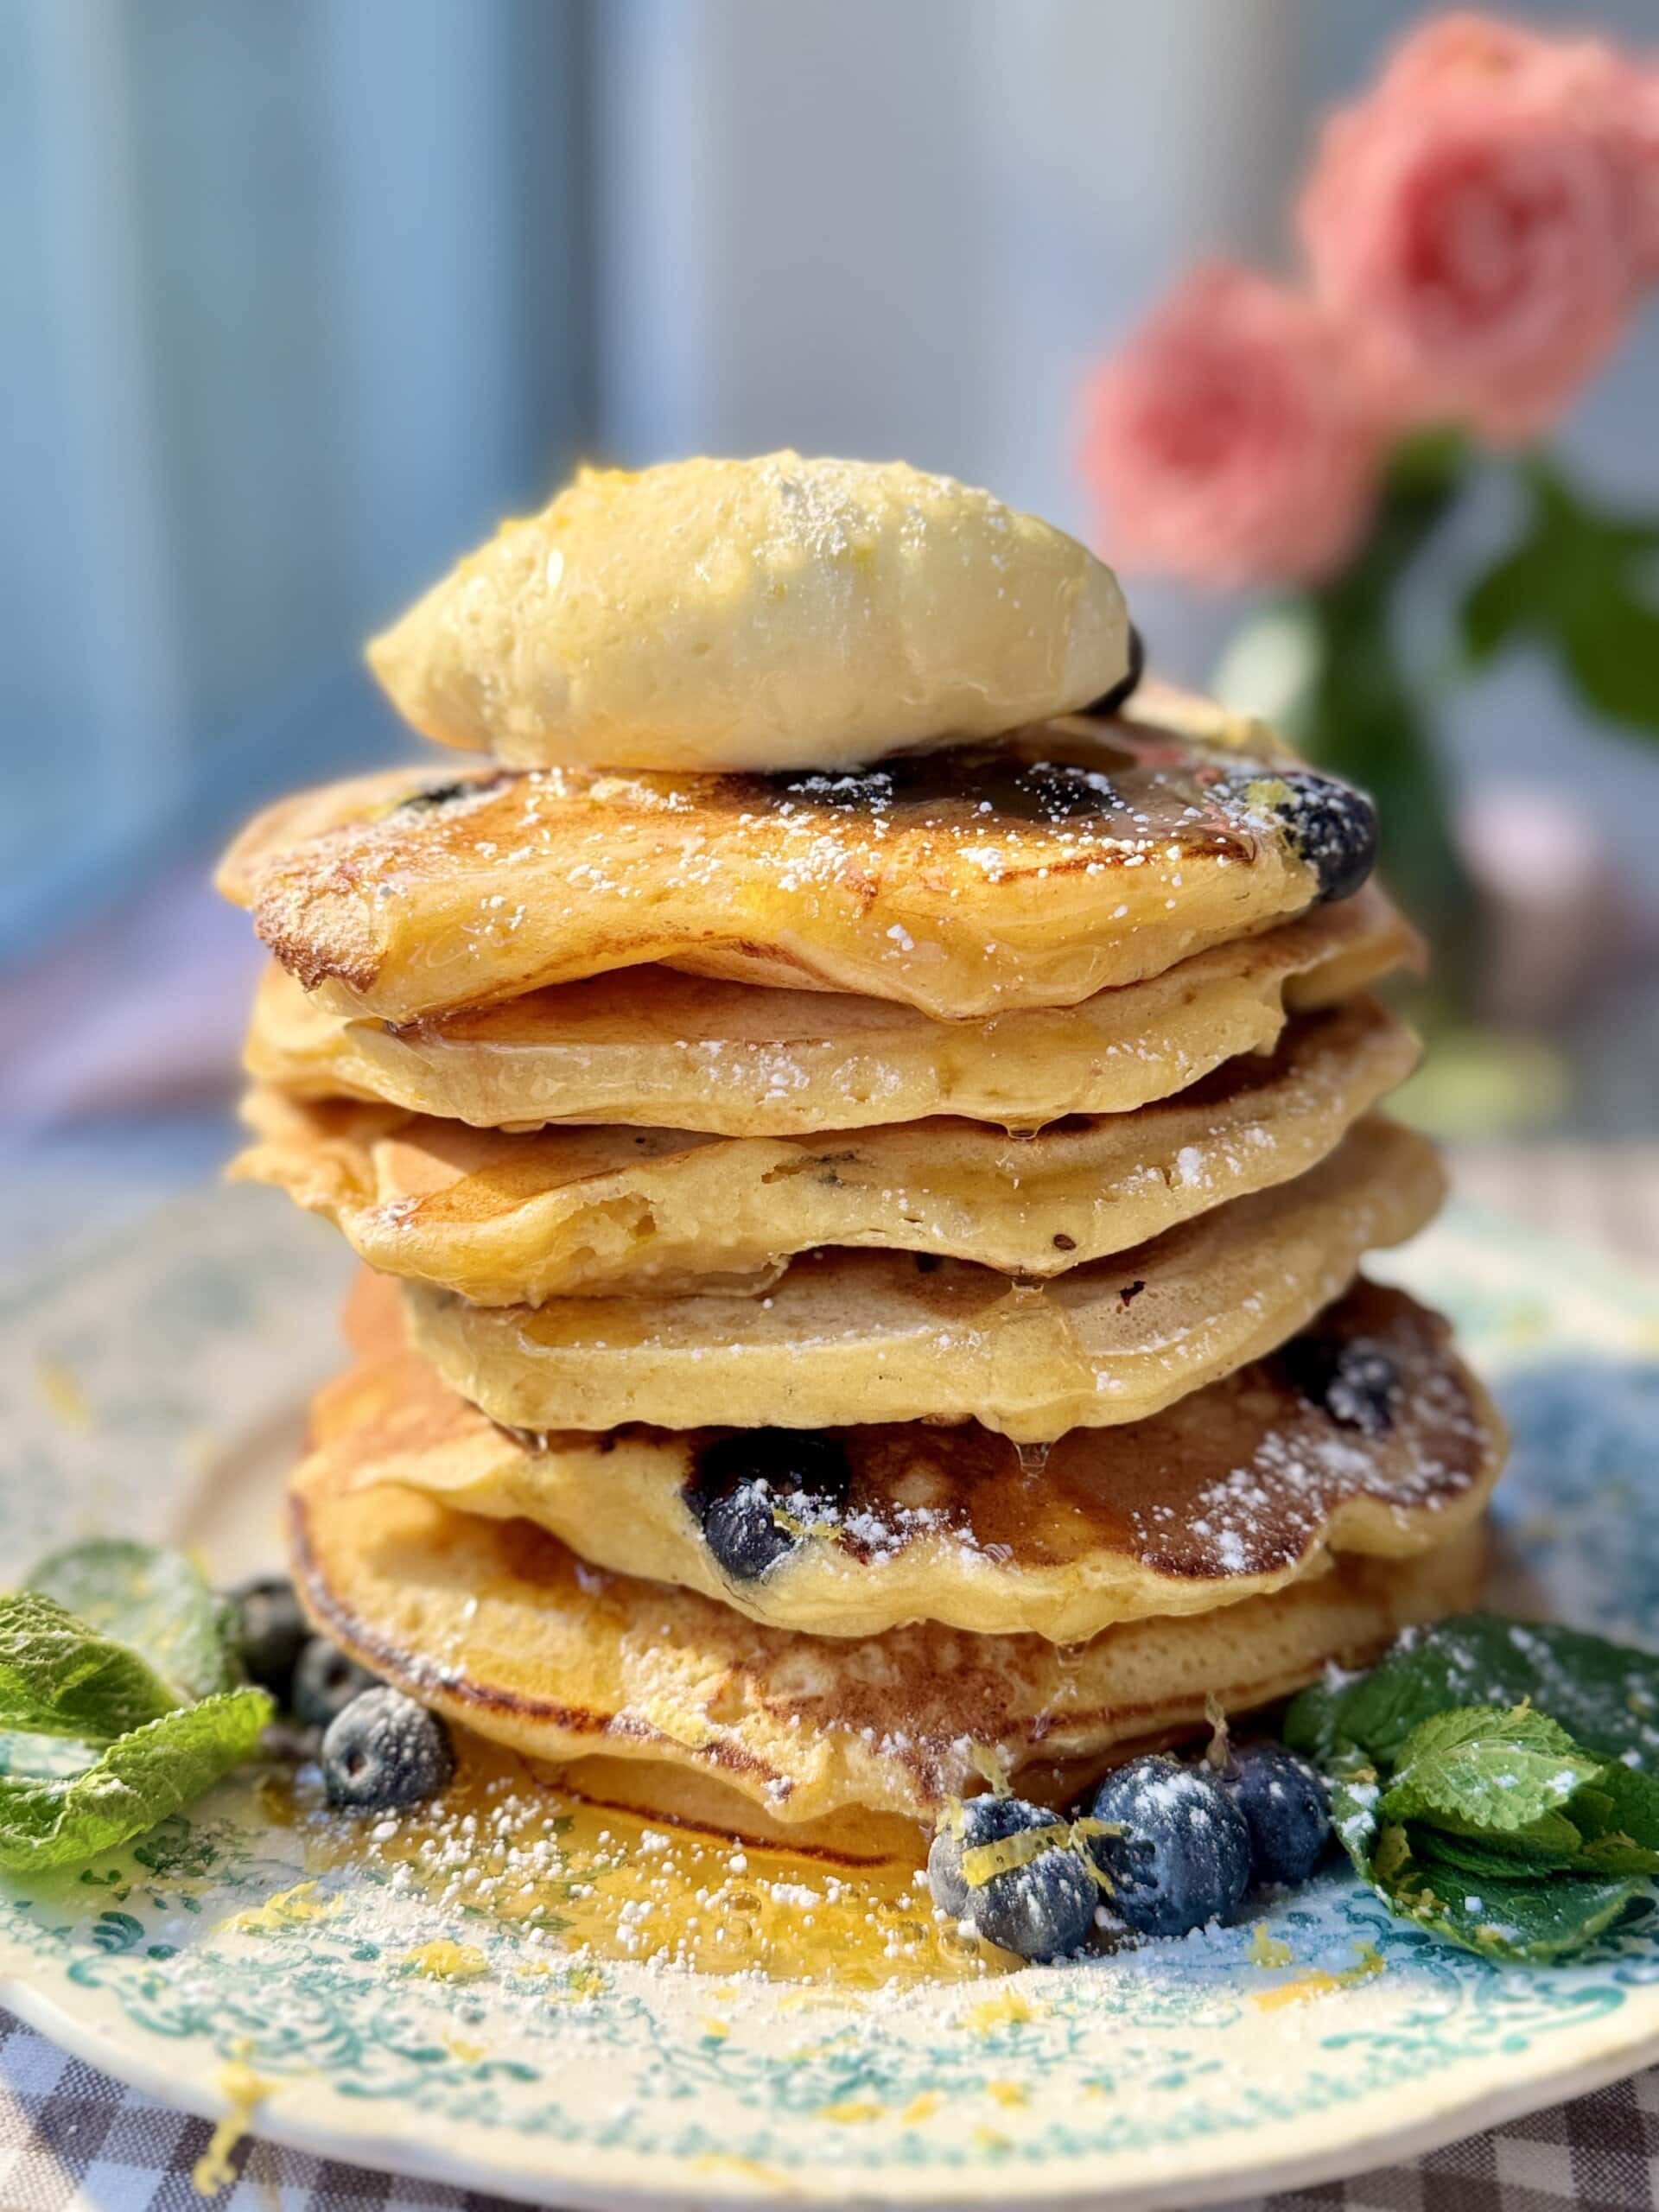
604	1884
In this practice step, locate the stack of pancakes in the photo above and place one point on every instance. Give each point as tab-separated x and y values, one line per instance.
865	1295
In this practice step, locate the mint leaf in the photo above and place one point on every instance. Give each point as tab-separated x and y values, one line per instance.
155	1600
1606	1695
1582	582
1505	1859
1483	1769
1536	1919
59	1678
1520	1894
1617	1815
136	1781
1356	1793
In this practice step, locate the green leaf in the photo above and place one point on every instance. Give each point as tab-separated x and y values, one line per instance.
1503	1858
1534	1890
60	1678
1356	1793
1481	1769
136	1781
1619	1817
1543	1918
1501	1913
155	1600
1606	1695
1365	714
1583	583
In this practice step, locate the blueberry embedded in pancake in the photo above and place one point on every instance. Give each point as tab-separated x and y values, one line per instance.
497	1625
1071	857
1354	1381
759	1493
1333	826
1234	1491
452	791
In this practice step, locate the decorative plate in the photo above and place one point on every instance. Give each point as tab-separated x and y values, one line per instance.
152	1386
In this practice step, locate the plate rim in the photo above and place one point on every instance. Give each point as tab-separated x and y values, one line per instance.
1213	2171
593	2190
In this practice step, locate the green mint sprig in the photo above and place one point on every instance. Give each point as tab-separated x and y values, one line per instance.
136	1782
120	1702
59	1676
157	1601
1485	1781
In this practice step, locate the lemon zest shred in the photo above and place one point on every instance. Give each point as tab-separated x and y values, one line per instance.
446	1962
65	1393
1009	2009
1318	1983
715	2162
1268	1950
284	1908
246	2091
987	1762
984	1862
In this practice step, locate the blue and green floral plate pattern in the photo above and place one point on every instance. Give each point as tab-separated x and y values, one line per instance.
152	1387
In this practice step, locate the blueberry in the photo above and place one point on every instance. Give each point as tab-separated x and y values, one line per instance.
325	1681
1333	828
1350	1379
1284	1806
270	1632
1039	1911
869	791
743	1534
1183	1856
1061	789
447	793
1127	685
383	1752
743	1485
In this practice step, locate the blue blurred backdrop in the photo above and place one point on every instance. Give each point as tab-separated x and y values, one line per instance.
299	298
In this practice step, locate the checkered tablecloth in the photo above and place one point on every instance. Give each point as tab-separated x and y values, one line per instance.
73	2140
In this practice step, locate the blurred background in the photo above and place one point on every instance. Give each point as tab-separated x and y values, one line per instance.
297	301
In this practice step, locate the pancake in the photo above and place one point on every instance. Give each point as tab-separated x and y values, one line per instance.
496	1624
652	1048
504	1220
1071	857
755	614
1236	1489
846	1336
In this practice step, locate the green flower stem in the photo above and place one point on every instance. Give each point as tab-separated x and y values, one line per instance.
1365	719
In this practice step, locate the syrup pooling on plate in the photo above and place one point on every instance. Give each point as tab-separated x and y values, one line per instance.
603	1883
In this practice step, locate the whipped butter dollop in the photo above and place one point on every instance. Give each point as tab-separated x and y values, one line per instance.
770	613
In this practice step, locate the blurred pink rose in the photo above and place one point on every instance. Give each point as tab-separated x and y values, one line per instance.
1605	91
1473	224
1472	50
1227	440
1638	120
